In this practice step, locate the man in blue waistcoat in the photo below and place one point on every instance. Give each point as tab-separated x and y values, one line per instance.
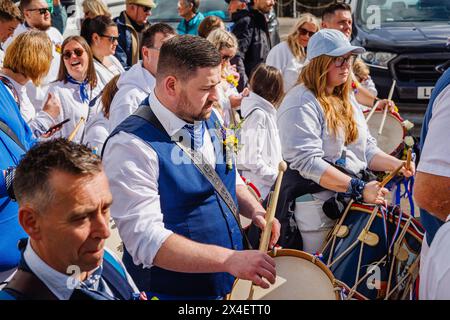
64	202
181	238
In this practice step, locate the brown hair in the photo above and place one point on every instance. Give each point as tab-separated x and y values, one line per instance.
109	91
91	75
267	82
148	35
337	107
31	180
331	9
209	24
181	56
9	11
297	50
30	54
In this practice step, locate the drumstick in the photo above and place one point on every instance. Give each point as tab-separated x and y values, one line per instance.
408	159
391	175
371	113
270	215
74	132
391	93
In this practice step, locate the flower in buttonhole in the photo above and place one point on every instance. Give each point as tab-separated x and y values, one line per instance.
409	141
408	125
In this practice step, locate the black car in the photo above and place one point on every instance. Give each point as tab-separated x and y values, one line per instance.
406	40
166	11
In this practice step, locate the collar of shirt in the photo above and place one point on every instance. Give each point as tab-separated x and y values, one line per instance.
60	284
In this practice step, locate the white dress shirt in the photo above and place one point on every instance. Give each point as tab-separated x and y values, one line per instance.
105	74
132	168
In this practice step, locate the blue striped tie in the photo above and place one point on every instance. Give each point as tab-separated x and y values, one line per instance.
196	130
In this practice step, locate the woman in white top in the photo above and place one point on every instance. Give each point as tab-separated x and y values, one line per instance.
97	128
102	35
321	127
229	97
260	154
27	60
74	88
289	56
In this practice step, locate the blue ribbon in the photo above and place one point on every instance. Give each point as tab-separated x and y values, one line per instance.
83	88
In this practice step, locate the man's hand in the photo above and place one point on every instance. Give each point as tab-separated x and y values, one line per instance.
252	265
259	221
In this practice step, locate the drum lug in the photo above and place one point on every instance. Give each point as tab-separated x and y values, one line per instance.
400	253
341	231
368	238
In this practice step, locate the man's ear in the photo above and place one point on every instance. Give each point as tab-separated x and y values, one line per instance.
145	52
171	86
30	221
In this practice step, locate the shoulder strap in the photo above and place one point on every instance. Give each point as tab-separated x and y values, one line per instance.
115	275
146	113
27	286
247	116
7	130
10	86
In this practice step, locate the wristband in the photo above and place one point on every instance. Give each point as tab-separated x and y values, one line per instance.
355	189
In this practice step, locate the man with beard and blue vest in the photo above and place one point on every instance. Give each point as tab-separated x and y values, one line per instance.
64	202
176	216
432	193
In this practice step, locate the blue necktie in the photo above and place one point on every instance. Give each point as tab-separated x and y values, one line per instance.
196	131
92	288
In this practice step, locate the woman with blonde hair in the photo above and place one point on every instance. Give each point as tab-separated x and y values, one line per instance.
28	59
76	82
229	97
93	8
289	56
321	130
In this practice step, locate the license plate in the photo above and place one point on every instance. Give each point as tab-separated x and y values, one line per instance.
424	92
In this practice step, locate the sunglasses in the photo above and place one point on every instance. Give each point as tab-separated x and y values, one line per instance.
339	61
226	58
111	39
145	9
304	32
41	10
68	53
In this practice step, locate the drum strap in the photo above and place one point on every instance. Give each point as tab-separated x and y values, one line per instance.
203	166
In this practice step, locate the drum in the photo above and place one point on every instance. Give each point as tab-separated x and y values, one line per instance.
300	276
253	189
375	252
391	140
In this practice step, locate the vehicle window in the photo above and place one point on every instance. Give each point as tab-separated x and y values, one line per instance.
404	10
166	10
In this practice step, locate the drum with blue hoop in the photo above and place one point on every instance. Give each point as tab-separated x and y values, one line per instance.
375	252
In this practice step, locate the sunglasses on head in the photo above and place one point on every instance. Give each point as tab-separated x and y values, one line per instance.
41	10
68	53
112	39
305	32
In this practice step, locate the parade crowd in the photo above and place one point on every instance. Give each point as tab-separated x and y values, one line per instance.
168	134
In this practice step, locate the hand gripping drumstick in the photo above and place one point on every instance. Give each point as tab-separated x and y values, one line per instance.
270	216
391	175
391	93
74	132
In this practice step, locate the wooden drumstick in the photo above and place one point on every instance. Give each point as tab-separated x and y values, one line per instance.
74	132
408	159
270	215
371	113
391	175
391	93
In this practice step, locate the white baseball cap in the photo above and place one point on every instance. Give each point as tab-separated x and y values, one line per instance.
330	42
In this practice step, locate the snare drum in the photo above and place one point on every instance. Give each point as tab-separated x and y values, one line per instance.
300	276
391	140
375	252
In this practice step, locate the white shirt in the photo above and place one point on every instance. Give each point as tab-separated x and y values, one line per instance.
72	108
281	57
61	285
261	152
435	267
134	86
435	157
38	95
132	168
2	57
105	74
97	131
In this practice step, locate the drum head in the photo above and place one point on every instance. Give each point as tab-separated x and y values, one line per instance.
299	278
393	132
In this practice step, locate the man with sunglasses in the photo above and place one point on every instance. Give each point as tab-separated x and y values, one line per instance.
36	14
131	23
